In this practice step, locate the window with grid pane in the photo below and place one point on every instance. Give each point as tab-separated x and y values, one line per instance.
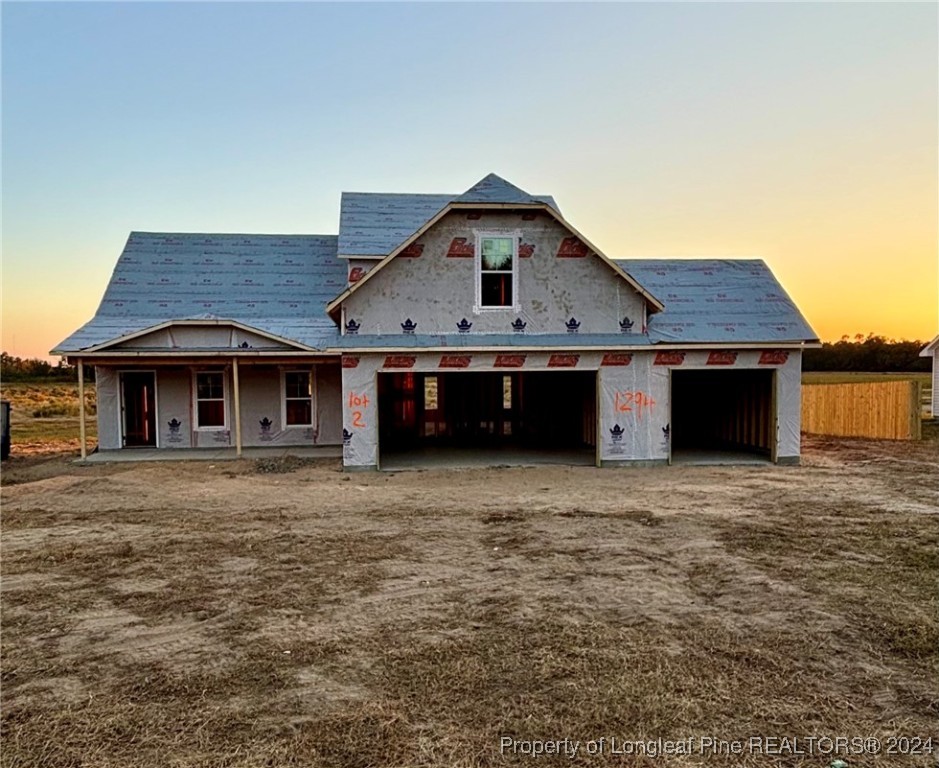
496	271
298	399
210	399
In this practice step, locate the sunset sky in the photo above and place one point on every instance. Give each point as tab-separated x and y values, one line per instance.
803	134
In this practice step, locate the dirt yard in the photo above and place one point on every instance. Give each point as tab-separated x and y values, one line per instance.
283	613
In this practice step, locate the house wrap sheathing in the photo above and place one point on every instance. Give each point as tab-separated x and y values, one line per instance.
480	322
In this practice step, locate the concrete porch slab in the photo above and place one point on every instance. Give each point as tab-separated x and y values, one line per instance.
212	454
718	458
479	458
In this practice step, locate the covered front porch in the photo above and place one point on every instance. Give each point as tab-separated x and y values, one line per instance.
211	406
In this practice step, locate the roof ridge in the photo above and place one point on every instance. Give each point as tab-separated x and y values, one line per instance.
494	189
402	194
227	234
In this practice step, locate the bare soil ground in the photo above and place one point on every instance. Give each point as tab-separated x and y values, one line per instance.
285	613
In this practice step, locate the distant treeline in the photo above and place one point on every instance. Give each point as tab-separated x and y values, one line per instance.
33	369
871	354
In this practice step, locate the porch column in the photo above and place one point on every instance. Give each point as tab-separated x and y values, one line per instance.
81	407
237	388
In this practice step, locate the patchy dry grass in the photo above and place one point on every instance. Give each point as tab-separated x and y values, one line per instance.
256	614
44	416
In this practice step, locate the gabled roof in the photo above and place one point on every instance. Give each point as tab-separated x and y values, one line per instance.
277	284
493	188
719	300
373	224
136	340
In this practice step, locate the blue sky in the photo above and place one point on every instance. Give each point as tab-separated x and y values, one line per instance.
805	134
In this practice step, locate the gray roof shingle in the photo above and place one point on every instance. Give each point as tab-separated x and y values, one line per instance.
495	189
269	282
281	284
373	224
718	300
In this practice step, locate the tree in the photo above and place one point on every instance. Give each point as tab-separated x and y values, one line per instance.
869	354
22	369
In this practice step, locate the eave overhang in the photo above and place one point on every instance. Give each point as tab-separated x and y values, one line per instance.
107	346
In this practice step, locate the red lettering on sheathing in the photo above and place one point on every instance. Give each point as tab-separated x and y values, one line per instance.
412	251
356	274
722	358
460	248
526	250
474	215
509	361
617	358
400	361
455	361
669	358
349	361
774	357
563	361
572	248
529	216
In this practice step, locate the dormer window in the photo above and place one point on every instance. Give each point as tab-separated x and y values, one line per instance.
496	265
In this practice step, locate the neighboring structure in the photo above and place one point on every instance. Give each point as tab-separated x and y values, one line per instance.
482	321
932	350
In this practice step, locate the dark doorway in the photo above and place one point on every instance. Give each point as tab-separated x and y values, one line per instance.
138	409
722	412
557	409
491	413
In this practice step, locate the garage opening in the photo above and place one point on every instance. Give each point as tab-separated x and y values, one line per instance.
722	416
486	419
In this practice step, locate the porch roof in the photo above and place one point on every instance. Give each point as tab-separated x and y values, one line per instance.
277	284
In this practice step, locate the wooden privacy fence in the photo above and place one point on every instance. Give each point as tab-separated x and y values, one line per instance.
880	409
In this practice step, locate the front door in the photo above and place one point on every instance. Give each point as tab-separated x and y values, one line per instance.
138	409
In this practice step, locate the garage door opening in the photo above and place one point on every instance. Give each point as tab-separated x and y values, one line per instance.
722	416
486	419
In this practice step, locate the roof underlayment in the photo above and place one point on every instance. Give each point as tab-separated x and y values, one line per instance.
281	284
372	225
718	300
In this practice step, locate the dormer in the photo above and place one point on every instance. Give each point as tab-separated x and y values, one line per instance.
494	260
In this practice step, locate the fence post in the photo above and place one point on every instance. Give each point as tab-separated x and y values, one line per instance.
916	417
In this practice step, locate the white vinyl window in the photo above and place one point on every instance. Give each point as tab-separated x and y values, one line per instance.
298	398
210	407
496	270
